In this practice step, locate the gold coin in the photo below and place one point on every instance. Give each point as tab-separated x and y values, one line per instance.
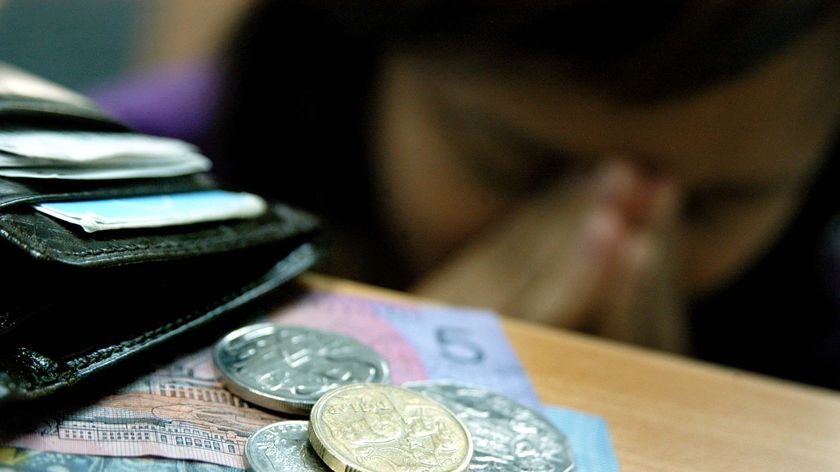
375	428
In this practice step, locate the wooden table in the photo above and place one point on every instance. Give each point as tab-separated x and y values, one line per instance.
667	413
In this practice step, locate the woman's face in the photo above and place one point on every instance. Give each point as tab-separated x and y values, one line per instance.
461	144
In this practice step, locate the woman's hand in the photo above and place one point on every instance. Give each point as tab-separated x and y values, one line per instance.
594	254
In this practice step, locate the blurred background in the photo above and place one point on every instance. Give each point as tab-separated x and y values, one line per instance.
84	44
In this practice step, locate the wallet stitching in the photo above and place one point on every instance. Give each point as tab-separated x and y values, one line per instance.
206	310
123	346
223	242
185	240
127	344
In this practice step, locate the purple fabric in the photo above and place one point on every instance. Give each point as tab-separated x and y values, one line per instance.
177	101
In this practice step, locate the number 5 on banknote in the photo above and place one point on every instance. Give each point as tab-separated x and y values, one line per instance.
456	345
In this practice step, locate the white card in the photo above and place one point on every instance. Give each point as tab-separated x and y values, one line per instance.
155	210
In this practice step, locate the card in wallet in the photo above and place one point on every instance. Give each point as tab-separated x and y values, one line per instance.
76	303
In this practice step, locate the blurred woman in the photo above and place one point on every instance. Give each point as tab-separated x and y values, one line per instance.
660	174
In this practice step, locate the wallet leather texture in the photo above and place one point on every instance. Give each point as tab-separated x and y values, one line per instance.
76	303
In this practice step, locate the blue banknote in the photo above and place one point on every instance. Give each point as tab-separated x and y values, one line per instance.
462	344
589	437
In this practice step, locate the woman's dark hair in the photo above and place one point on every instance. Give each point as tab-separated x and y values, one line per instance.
300	132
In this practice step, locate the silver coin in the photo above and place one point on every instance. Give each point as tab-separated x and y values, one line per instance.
288	368
282	447
507	436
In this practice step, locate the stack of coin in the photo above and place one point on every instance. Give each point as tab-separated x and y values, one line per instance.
358	423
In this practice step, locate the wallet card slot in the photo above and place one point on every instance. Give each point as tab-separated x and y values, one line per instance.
49	240
17	192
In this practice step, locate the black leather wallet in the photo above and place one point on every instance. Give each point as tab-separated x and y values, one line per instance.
76	303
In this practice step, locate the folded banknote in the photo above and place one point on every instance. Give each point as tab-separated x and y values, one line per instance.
182	411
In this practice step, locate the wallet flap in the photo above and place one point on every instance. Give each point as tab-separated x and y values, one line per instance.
57	350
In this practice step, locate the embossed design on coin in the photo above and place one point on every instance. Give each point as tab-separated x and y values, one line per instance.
507	436
282	447
380	428
287	368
